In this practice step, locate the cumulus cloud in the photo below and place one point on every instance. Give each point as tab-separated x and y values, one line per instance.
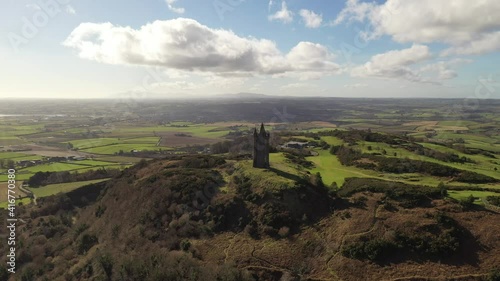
354	11
403	64
170	5
186	45
458	22
310	56
442	69
486	43
394	64
311	19
284	15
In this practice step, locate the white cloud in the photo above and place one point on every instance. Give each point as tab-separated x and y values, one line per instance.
487	43
270	5
394	64
441	69
311	19
284	15
70	10
186	45
404	64
354	11
457	22
170	5
309	56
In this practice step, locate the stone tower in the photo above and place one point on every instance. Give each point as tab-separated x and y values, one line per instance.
261	148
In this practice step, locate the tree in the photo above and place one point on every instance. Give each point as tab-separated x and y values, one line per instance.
334	186
38	179
318	180
442	189
468	202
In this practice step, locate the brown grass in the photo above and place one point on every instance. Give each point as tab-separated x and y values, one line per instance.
421	123
317	248
170	139
4	191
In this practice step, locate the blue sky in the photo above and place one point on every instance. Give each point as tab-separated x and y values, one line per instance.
183	48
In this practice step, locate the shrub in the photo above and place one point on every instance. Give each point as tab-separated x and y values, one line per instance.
494	275
115	230
467	202
80	229
86	242
99	211
373	250
494	200
185	245
284	231
106	261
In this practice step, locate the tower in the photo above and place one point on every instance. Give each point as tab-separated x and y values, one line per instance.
261	148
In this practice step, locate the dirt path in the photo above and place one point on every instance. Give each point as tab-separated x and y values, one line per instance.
28	193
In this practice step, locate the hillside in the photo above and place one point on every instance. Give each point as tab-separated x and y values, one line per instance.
209	218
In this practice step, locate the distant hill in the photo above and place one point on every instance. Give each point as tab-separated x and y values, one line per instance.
210	218
245	96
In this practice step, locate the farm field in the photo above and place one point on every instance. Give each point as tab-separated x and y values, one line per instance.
107	141
464	194
24	201
332	170
4	191
117	148
53	189
53	167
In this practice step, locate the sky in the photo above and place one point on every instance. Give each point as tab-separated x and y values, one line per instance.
193	48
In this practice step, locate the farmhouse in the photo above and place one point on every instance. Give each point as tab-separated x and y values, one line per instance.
76	158
28	163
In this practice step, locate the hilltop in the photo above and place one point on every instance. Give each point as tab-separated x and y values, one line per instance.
212	218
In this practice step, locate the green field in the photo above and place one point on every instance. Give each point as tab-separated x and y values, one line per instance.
107	137
332	171
92	163
147	140
464	194
93	168
28	157
88	143
52	167
332	140
24	201
114	149
19	176
53	189
198	130
266	179
118	159
13	155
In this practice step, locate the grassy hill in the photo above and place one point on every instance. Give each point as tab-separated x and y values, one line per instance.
208	218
